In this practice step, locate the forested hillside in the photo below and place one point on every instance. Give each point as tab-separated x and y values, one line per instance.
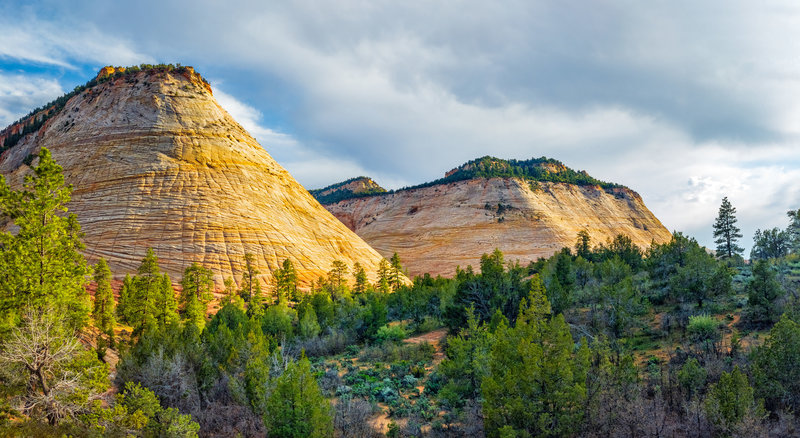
601	339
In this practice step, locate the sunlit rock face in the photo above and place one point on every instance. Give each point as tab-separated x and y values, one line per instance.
437	228
156	162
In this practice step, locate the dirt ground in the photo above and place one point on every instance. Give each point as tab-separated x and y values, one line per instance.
434	338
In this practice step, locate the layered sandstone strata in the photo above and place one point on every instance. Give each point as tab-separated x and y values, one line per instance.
437	228
156	162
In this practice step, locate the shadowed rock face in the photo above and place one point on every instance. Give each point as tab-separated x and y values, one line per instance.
156	162
436	228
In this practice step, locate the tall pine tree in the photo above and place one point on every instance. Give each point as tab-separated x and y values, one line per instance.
396	272
151	299
197	286
536	382
41	265
103	313
793	230
166	308
296	407
286	282
251	287
360	282
125	297
383	276
726	233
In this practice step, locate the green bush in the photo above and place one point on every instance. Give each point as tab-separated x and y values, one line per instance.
393	333
703	328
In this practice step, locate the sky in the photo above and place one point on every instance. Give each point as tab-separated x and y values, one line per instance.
683	101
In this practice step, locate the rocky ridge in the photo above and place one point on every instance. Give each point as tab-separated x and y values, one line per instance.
438	226
352	188
156	162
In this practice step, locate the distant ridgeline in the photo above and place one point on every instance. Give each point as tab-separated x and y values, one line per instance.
357	187
35	119
534	170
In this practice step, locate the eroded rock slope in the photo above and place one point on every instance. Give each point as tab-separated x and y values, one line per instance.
156	162
437	227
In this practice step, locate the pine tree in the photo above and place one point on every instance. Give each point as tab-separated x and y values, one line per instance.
251	287
582	245
141	307
296	407
383	276
286	282
166	308
197	286
42	264
396	272
336	276
231	295
793	230
249	279
125	296
536	383
103	313
726	233
359	279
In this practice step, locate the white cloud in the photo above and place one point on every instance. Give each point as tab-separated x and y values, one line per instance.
653	96
35	41
310	169
20	94
250	119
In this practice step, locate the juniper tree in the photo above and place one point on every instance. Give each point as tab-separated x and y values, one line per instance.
726	233
763	290
45	367
770	244
776	376
731	401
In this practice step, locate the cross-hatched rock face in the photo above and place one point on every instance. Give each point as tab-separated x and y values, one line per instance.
156	162
437	228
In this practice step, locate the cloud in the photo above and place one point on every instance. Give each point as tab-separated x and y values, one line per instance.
29	39
311	169
685	102
250	119
19	94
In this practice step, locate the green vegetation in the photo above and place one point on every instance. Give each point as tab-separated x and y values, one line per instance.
602	341
726	233
339	193
534	171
